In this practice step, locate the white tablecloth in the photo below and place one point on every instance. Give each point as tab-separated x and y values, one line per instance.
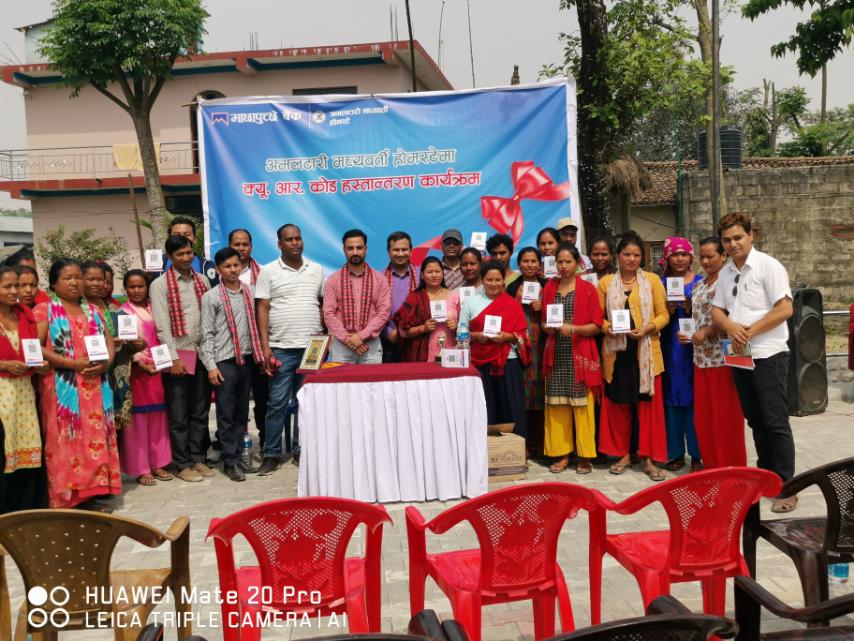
410	440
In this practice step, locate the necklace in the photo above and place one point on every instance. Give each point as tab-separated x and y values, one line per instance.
435	294
630	282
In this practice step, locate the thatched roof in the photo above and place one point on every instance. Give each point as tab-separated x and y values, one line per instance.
627	175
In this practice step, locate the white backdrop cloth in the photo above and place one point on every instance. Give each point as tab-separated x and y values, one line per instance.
386	441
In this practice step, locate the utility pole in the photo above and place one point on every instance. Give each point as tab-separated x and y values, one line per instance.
411	47
715	168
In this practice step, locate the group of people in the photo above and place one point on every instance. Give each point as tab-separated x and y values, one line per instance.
583	355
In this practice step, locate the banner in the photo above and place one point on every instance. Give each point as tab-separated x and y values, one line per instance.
492	160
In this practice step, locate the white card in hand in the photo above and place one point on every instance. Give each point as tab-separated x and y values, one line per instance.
33	356
153	260
492	325
593	279
554	315
454	358
687	327
675	288
128	327
549	266
465	293
530	292
96	348
161	357
478	240
439	310
621	321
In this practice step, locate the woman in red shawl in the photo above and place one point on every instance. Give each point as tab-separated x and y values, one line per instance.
498	330
421	334
571	365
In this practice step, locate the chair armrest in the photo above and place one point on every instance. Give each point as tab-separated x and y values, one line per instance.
454	631
637	501
823	611
177	529
667	604
426	624
415	519
151	632
798	484
601	500
5	606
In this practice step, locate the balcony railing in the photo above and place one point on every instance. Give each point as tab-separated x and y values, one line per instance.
88	162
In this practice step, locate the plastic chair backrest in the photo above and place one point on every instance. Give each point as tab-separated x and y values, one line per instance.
693	627
706	511
836	481
518	528
72	549
300	543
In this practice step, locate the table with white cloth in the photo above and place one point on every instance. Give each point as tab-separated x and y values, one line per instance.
393	432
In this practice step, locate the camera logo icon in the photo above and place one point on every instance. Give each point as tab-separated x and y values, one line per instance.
38	616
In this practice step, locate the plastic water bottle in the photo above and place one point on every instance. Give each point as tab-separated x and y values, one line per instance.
464	342
838	572
245	456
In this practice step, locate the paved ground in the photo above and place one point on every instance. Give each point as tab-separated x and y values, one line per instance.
819	439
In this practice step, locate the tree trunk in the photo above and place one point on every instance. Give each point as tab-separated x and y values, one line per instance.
151	170
592	133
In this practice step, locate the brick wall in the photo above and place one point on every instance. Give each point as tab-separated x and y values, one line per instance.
804	215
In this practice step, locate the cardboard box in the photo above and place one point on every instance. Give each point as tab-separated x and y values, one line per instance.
500	428
506	458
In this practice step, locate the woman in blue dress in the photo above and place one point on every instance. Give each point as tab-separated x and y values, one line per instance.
678	380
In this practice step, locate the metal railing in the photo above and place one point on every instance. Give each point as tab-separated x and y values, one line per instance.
97	161
836	312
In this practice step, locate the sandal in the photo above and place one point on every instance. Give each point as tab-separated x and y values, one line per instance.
146	479
676	464
162	475
583	467
619	467
559	466
782	506
654	474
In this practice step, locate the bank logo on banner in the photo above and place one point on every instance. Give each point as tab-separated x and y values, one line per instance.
501	158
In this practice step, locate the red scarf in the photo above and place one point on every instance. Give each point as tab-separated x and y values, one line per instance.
586	310
254	269
414	311
250	319
173	296
413	279
26	329
348	299
512	321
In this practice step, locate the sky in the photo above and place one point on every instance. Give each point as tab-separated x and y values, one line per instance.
503	33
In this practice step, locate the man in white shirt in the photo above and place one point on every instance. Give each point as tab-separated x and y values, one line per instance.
752	304
567	229
289	294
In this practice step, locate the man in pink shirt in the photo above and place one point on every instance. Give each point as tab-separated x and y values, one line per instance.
356	305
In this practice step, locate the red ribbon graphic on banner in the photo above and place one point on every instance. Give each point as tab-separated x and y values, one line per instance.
505	214
529	183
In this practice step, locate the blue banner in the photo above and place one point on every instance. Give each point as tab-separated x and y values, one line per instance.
495	160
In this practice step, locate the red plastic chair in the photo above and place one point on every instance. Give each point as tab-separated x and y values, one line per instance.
300	544
517	529
706	511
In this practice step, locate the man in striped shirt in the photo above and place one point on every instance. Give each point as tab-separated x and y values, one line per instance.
289	294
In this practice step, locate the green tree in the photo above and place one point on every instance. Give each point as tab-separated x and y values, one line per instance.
812	137
817	40
125	51
629	59
84	244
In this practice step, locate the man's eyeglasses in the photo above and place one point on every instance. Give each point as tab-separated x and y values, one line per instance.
735	287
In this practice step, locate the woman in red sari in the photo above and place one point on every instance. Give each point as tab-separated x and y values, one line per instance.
499	347
421	334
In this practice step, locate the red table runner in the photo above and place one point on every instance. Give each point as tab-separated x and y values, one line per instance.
385	372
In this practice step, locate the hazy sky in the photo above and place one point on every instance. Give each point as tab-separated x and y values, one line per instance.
504	33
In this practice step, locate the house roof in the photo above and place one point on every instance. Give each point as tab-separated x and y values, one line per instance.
16	224
392	53
663	174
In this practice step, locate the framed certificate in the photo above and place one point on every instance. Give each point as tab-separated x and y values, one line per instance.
675	289
492	325
530	292
549	266
153	260
621	321
315	353
554	315
96	348
687	326
33	356
478	240
439	310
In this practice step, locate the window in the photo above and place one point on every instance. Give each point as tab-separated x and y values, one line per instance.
209	94
654	252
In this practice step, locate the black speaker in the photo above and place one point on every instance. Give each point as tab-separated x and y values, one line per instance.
807	386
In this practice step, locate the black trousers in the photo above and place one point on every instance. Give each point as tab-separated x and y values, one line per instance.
188	403
23	489
260	394
762	393
232	406
505	396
